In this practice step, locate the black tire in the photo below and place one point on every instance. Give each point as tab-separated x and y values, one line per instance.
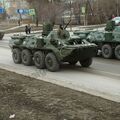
117	52
16	55
27	57
72	62
86	63
39	59
51	62
107	51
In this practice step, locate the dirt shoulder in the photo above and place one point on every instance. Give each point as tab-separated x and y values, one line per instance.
31	99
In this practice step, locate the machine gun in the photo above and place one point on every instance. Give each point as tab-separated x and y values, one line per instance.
62	33
67	24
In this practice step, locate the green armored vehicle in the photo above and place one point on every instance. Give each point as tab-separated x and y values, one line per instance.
108	41
1	35
52	50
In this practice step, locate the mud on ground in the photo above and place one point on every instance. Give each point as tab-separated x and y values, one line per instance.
31	99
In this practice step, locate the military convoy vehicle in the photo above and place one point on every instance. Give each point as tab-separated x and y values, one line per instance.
1	35
51	50
108	41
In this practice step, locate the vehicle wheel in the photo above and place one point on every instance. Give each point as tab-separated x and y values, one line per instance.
107	51
72	62
51	62
27	57
86	63
16	55
39	59
117	52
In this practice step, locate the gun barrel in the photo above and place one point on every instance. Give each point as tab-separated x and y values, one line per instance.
67	24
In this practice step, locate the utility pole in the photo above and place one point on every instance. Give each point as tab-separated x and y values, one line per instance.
86	12
3	4
51	1
117	8
71	12
4	7
88	7
79	16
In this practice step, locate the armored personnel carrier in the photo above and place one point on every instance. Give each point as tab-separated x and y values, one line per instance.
52	50
1	35
108	41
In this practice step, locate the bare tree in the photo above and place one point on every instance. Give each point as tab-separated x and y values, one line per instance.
97	11
46	10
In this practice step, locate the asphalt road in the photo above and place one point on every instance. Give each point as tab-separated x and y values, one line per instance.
101	79
108	66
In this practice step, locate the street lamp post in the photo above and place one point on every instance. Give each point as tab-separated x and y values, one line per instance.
4	8
3	4
51	1
85	16
117	7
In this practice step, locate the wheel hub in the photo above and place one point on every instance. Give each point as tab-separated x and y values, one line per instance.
38	59
50	62
106	51
15	55
119	52
24	57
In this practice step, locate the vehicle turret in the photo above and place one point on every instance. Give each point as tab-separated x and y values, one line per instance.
52	50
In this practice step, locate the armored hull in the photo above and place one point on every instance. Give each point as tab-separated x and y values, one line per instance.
108	40
49	52
1	35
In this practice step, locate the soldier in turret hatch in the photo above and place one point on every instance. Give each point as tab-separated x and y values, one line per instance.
60	31
110	26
